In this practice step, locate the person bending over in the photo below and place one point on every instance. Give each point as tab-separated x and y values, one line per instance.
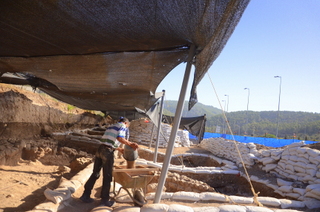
104	159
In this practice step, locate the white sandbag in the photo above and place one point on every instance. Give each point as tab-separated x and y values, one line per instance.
47	207
302	150
312	203
303	160
276	152
201	171
188	170
164	195
65	183
282	165
282	182
126	209
307	178
316	190
313	153
312	195
293	195
279	192
240	200
269	167
286	203
230	171
155	208
290	167
286	189
267	160
300	191
257	209
312	172
206	209
316	160
313	186
276	157
296	144
269	201
102	209
179	208
232	208
265	153
58	195
299	169
186	196
212	196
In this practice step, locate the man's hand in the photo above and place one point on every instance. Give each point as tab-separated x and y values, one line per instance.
120	150
134	145
131	144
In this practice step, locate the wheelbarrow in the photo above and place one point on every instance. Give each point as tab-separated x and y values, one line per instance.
135	179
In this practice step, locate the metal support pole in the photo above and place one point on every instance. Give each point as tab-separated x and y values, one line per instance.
176	123
278	105
159	128
246	130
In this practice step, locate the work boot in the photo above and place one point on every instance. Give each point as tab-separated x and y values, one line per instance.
85	198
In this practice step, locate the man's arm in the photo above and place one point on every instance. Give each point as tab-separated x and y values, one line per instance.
126	142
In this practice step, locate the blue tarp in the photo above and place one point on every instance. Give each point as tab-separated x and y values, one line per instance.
271	142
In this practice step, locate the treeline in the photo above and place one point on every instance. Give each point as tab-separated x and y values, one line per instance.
197	110
292	125
289	125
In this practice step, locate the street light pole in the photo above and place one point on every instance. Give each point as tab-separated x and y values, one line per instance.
278	104
228	102
247	108
224	121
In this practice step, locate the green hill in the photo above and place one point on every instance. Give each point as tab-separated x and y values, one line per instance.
197	110
302	125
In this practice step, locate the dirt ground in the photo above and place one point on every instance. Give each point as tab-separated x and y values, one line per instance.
22	185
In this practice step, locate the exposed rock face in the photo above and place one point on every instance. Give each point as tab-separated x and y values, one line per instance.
25	114
27	120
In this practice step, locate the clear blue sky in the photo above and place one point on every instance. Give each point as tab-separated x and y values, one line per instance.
273	38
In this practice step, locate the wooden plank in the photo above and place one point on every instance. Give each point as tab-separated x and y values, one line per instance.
136	169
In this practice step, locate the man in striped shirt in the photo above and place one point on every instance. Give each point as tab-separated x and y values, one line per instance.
113	136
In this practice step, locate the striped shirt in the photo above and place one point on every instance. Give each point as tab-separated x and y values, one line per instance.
110	135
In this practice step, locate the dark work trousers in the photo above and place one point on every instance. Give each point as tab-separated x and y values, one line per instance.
104	159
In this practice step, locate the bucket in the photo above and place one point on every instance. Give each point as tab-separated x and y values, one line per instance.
130	154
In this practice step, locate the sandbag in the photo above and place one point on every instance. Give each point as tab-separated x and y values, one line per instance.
206	209
155	208
211	196
286	203
179	208
232	208
270	201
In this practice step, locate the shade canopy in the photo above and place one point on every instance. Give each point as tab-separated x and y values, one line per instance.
110	55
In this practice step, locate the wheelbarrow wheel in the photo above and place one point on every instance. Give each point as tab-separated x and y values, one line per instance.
138	196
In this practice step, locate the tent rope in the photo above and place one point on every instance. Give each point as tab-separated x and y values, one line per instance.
255	195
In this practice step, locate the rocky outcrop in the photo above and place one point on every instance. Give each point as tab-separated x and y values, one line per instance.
25	114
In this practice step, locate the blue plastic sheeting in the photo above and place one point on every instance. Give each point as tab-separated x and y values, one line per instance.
271	142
